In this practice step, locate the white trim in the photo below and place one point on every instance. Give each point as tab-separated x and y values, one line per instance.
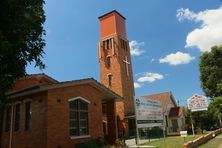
108	36
104	121
80	137
17	102
99	52
27	100
109	74
72	99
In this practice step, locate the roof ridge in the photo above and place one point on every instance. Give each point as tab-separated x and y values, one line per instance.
158	93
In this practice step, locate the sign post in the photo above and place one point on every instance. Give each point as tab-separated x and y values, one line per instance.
148	113
196	103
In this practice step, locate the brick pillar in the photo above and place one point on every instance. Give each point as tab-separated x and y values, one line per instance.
112	123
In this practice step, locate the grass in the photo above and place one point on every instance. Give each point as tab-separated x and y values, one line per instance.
214	143
171	142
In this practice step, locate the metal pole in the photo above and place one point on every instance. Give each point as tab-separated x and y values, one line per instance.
137	131
192	123
164	127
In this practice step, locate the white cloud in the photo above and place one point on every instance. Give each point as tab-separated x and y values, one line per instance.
150	77
209	32
177	58
137	85
135	48
152	60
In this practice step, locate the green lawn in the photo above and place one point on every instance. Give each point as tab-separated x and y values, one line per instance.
171	142
214	143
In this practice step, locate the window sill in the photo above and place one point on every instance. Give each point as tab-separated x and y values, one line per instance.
80	137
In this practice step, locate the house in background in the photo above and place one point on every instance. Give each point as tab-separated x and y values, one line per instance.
174	119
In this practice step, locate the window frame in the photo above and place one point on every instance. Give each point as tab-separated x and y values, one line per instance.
110	79
17	117
78	119
108	59
8	116
28	116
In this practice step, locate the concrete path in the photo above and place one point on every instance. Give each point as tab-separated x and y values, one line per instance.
132	143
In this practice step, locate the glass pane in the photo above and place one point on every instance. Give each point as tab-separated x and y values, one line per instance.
83	105
73	132
83	131
83	115
73	115
73	104
83	123
73	124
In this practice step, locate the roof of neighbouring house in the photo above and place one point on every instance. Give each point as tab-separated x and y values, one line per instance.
176	111
163	97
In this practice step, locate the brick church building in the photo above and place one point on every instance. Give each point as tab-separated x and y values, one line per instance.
42	112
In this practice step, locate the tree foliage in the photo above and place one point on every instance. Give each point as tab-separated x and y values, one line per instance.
211	72
21	42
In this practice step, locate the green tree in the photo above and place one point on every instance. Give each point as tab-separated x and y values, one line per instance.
211	72
216	109
21	42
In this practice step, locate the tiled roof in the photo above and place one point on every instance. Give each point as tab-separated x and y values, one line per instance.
176	111
94	83
38	75
163	97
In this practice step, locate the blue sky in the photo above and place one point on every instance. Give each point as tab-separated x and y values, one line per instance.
166	38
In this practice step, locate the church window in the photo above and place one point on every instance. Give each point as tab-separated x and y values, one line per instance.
8	118
123	44
28	113
17	117
108	61
108	44
78	117
104	45
126	46
110	79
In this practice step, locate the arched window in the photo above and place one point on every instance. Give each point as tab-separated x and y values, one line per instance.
110	77
108	61
78	117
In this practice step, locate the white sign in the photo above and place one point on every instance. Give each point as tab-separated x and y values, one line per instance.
197	103
183	133
148	112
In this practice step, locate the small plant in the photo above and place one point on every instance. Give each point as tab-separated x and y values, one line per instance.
118	144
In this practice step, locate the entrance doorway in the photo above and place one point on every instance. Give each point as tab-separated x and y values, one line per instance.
132	128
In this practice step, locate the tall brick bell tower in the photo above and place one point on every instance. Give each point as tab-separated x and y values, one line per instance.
116	68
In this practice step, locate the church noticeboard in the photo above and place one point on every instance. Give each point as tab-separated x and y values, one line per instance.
197	103
148	112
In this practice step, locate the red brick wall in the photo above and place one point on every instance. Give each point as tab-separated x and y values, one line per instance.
50	119
36	136
58	115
